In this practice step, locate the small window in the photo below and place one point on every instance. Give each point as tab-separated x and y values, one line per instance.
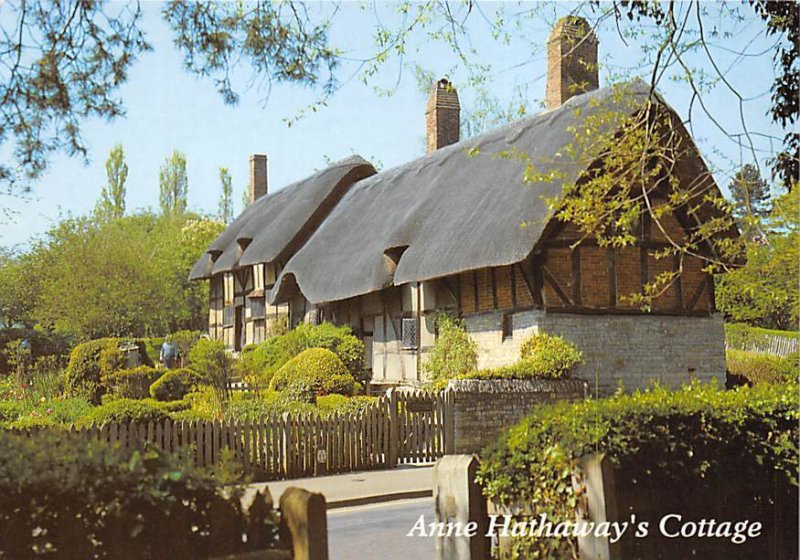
258	307
508	326
227	316
409	333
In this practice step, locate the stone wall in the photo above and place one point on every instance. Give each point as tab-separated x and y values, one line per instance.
483	409
629	349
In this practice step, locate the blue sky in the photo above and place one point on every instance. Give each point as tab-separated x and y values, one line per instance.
169	109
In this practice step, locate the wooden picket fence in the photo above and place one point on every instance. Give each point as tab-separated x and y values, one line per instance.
768	344
398	428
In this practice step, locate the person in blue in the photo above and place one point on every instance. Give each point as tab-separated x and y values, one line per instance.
169	354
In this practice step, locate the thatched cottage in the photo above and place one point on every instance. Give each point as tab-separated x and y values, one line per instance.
385	251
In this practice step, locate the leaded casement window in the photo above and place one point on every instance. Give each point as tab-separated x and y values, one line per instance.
408	334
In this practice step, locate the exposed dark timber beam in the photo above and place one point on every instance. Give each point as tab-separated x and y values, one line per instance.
618	311
676	264
696	296
612	277
550	279
576	275
493	273
561	243
514	285
527	269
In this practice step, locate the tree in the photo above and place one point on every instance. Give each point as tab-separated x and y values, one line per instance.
225	212
59	64
751	197
173	185
63	63
764	292
126	277
750	193
112	198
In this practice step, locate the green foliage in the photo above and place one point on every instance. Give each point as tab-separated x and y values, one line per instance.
549	357
454	353
42	344
37	404
173	185
91	500
339	340
131	410
317	370
750	368
127	277
225	211
91	361
174	384
112	198
258	365
684	440
131	383
214	364
764	291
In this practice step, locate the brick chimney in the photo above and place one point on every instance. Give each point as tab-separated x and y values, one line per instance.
442	116
571	60
258	177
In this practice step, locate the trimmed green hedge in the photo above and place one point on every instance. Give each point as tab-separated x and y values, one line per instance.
317	370
131	410
174	384
542	356
91	361
693	441
259	364
64	498
131	383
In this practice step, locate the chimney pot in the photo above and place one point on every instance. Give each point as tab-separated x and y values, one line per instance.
571	60
258	177
442	116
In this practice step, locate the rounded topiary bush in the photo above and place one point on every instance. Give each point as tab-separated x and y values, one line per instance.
130	383
548	357
174	384
91	361
317	369
131	410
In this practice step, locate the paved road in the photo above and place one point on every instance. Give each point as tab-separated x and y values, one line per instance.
378	532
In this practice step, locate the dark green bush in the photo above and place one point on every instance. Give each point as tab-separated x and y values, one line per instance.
92	360
316	369
750	368
130	383
131	410
42	344
64	498
174	384
697	442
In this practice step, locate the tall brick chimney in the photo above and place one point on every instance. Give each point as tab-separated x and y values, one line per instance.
571	60
442	116
258	177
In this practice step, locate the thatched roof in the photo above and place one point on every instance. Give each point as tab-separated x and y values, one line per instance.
347	231
449	211
274	226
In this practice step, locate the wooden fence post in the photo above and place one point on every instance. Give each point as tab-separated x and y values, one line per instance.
449	422
394	428
304	521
